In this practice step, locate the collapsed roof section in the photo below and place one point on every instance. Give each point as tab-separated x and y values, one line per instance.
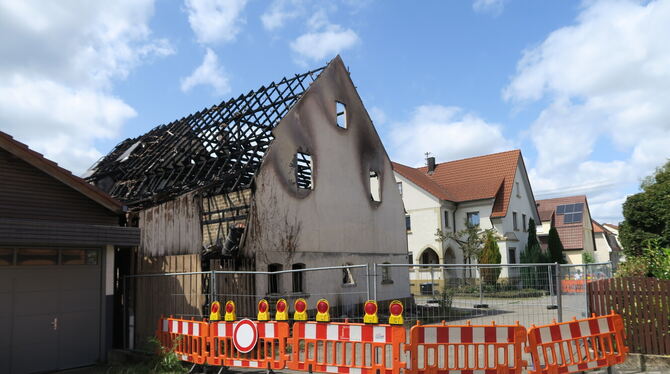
219	149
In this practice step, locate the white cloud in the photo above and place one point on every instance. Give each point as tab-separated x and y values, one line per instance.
208	73
280	12
215	21
493	7
607	81
60	121
378	116
59	63
447	133
324	40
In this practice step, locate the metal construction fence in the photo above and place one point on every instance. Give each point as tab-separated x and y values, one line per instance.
506	293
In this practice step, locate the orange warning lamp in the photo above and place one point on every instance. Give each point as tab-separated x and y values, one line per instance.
215	311
300	307
230	311
396	309
263	310
322	311
282	313
370	310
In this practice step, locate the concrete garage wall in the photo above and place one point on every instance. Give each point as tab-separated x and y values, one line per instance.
336	222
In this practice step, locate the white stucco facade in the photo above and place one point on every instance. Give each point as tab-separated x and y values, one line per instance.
427	214
603	249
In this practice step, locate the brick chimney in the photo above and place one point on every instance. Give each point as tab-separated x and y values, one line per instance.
431	164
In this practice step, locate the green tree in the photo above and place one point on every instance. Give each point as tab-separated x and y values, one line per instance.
587	258
533	277
533	252
490	255
647	214
471	240
555	247
532	234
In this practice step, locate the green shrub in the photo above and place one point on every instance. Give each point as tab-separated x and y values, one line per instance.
587	258
633	267
654	262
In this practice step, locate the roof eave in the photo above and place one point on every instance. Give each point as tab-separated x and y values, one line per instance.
40	162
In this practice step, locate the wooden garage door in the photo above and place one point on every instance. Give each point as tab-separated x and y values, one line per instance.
49	308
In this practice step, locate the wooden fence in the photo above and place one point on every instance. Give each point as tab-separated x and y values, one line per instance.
644	304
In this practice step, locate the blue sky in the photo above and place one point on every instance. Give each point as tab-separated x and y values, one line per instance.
581	87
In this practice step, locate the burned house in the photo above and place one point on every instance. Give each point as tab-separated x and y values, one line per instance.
290	176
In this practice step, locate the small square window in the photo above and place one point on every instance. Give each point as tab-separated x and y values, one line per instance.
341	111
473	218
91	257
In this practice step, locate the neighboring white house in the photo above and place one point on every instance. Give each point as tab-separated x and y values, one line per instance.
492	191
572	218
608	247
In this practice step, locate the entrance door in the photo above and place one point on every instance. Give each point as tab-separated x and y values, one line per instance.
53	310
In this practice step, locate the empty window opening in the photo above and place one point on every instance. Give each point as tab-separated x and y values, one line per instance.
304	175
375	187
347	276
298	278
341	111
273	279
386	274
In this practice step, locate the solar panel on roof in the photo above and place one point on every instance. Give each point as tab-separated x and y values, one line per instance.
579	207
560	209
569	208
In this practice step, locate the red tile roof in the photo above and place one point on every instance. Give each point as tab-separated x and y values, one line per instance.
597	227
476	178
572	234
51	168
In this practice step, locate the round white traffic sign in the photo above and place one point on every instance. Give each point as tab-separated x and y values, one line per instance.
245	335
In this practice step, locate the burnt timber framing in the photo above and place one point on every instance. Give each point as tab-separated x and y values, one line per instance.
215	150
274	178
